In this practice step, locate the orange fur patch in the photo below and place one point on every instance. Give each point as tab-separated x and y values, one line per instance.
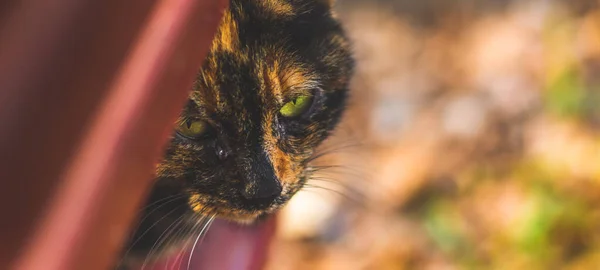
227	38
282	163
283	80
278	7
194	202
296	78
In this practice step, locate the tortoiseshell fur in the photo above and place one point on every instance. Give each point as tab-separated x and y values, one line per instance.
265	53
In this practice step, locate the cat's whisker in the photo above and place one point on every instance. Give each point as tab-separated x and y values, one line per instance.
315	190
199	220
347	143
359	185
338	170
183	232
200	235
318	168
320	155
341	145
351	198
177	261
356	194
144	233
333	181
351	175
170	198
181	236
359	180
160	203
164	235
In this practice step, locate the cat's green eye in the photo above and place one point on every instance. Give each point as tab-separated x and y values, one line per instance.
192	129
296	107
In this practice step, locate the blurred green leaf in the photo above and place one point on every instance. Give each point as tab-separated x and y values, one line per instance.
565	95
534	237
442	224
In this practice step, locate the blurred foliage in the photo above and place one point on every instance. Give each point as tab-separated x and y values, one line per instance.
478	123
566	95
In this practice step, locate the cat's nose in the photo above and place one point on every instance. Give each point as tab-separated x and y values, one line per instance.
263	191
261	183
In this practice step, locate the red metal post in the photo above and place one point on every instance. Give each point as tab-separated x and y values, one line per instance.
88	92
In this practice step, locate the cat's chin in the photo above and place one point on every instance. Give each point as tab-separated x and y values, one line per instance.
249	214
242	217
251	220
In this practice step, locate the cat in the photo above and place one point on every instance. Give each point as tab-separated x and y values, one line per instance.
272	88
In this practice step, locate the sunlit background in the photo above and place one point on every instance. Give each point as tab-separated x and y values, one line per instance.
472	142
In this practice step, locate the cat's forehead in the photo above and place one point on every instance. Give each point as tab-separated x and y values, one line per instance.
235	82
246	22
268	52
249	56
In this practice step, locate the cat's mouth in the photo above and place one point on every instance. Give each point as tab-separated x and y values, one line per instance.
240	210
248	213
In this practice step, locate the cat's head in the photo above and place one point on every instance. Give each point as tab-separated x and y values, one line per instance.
271	90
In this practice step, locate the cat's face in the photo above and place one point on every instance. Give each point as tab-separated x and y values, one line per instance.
271	90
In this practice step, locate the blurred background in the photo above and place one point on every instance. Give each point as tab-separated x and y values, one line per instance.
472	142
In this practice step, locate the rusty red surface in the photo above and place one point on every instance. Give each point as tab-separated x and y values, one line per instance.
89	90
